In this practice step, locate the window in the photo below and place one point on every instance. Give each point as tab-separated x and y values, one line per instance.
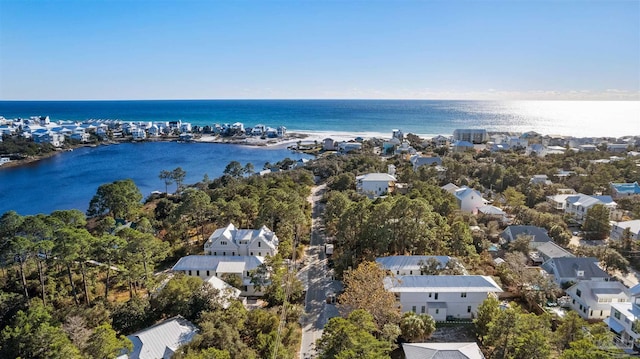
259	244
233	253
463	295
437	311
413	309
223	243
198	273
215	253
578	292
591	313
224	253
208	273
422	309
436	296
616	314
410	272
469	309
189	272
429	295
260	254
251	253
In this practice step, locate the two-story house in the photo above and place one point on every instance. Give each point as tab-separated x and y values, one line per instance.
537	235
230	241
410	265
374	185
593	299
575	269
578	205
624	318
468	199
618	228
442	296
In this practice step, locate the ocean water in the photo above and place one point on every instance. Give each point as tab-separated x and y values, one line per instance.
424	117
69	180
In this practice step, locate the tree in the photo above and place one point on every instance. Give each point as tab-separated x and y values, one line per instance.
351	338
178	175
196	206
487	311
596	223
569	330
234	169
167	177
417	327
364	289
120	199
105	343
513	198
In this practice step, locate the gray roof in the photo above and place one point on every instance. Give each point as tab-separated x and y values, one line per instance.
441	283
442	351
552	250
511	233
204	262
376	177
425	161
395	263
566	267
593	290
162	339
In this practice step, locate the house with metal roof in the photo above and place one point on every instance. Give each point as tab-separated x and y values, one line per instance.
550	250
442	296
410	265
442	351
468	199
419	161
374	185
621	190
538	235
231	241
575	269
161	340
205	266
577	205
623	320
593	299
618	228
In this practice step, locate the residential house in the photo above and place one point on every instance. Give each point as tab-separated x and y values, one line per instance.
161	340
587	148
329	144
53	138
468	199
476	136
206	266
281	131
442	296
623	320
593	299
575	269
549	250
620	190
617	147
461	146
540	179
617	229
4	160
440	141
442	351
226	292
395	133
374	185
494	212
230	241
138	134
577	205
410	265
538	235
346	147
418	161
559	201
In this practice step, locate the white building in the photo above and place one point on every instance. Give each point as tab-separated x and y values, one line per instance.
206	267
410	265
468	199
230	241
442	296
374	185
577	205
593	299
617	229
471	135
161	340
442	351
575	269
623	319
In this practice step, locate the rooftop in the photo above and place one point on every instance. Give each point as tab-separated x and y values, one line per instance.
441	283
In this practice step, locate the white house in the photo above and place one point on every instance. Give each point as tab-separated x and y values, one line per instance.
374	185
575	269
540	179
461	146
617	229
418	161
469	200
442	351
442	296
161	340
205	266
494	212
138	134
593	299
4	160
474	135
577	205
440	141
623	317
230	241
410	265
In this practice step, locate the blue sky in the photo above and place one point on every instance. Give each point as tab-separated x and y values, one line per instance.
545	49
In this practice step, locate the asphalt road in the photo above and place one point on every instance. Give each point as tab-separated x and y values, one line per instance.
316	277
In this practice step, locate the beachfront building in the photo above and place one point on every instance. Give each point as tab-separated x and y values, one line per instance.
593	299
442	296
329	144
440	141
374	185
618	228
230	241
621	190
475	136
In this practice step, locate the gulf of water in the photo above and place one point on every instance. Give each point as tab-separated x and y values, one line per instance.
70	179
